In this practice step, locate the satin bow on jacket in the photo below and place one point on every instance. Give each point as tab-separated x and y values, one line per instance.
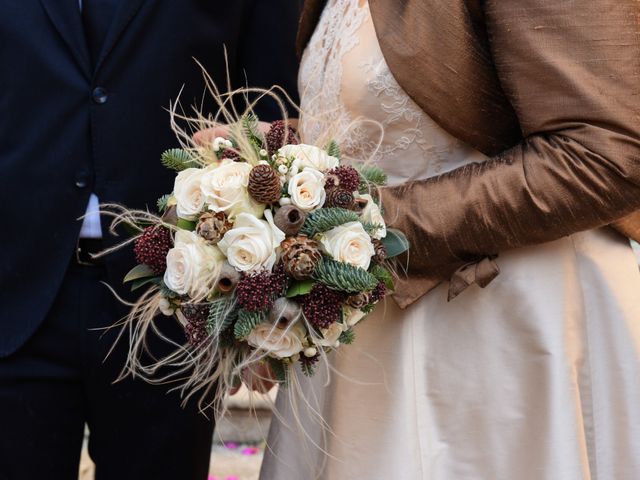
549	90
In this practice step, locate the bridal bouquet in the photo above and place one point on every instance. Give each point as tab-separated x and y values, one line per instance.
267	250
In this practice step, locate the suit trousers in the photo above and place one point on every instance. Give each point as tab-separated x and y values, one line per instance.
62	379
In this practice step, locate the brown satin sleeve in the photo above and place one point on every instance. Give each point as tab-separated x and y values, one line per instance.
572	72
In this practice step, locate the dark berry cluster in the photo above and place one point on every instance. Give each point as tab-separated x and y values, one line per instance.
378	293
258	291
275	137
196	328
322	306
347	178
152	246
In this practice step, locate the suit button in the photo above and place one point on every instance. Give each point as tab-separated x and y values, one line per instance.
100	95
82	179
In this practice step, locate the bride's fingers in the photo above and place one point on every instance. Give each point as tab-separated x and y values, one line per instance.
259	378
206	136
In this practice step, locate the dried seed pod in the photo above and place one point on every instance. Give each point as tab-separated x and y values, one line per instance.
289	219
284	312
300	256
360	204
228	279
170	216
339	198
213	225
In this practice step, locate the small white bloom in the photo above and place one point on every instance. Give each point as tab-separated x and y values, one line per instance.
348	243
283	169
218	142
251	244
372	214
188	193
293	170
277	342
263	162
192	265
310	352
225	188
284	201
352	315
309	156
263	153
331	335
166	308
306	189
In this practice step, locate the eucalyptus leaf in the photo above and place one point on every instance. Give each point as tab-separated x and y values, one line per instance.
141	282
395	242
138	272
186	224
300	288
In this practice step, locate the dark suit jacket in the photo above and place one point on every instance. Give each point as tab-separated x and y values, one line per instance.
549	89
61	139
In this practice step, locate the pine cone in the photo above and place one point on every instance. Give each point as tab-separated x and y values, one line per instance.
275	138
300	257
264	184
213	225
359	300
380	250
339	198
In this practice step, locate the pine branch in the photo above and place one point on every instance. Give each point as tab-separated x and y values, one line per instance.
333	149
371	176
178	159
279	369
246	322
221	316
371	228
347	337
325	219
163	202
382	275
344	277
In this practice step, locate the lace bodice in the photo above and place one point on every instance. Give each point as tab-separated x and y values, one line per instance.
349	94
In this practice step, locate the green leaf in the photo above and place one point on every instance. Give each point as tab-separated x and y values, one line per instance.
344	277
186	224
383	275
246	322
325	219
178	159
279	369
395	242
333	149
300	288
347	337
138	272
167	292
141	282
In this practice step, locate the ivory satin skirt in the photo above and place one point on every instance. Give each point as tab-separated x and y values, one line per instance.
536	377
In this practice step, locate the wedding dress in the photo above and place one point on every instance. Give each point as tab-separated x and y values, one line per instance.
535	377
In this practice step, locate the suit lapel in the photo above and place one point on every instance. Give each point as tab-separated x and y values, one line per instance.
125	12
65	16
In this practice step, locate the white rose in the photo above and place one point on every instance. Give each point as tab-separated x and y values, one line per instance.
352	315
348	243
192	265
225	189
372	214
251	244
278	342
308	156
331	335
188	194
306	189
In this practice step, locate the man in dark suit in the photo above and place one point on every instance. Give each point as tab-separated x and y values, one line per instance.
83	86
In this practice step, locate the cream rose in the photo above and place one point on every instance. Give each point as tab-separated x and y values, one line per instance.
309	156
348	243
188	194
225	189
352	315
191	265
278	342
251	244
331	335
371	213
306	189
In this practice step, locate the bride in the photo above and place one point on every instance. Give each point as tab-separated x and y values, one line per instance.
512	139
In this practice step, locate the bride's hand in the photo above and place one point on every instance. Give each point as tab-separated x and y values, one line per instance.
258	378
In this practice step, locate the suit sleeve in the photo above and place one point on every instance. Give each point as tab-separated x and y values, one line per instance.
572	72
268	50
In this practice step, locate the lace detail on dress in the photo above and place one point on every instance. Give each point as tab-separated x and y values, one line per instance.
324	114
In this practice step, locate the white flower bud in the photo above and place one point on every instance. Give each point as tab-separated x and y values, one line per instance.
284	201
293	170
283	169
165	307
310	352
263	153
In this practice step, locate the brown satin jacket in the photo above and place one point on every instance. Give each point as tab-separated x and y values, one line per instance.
548	89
